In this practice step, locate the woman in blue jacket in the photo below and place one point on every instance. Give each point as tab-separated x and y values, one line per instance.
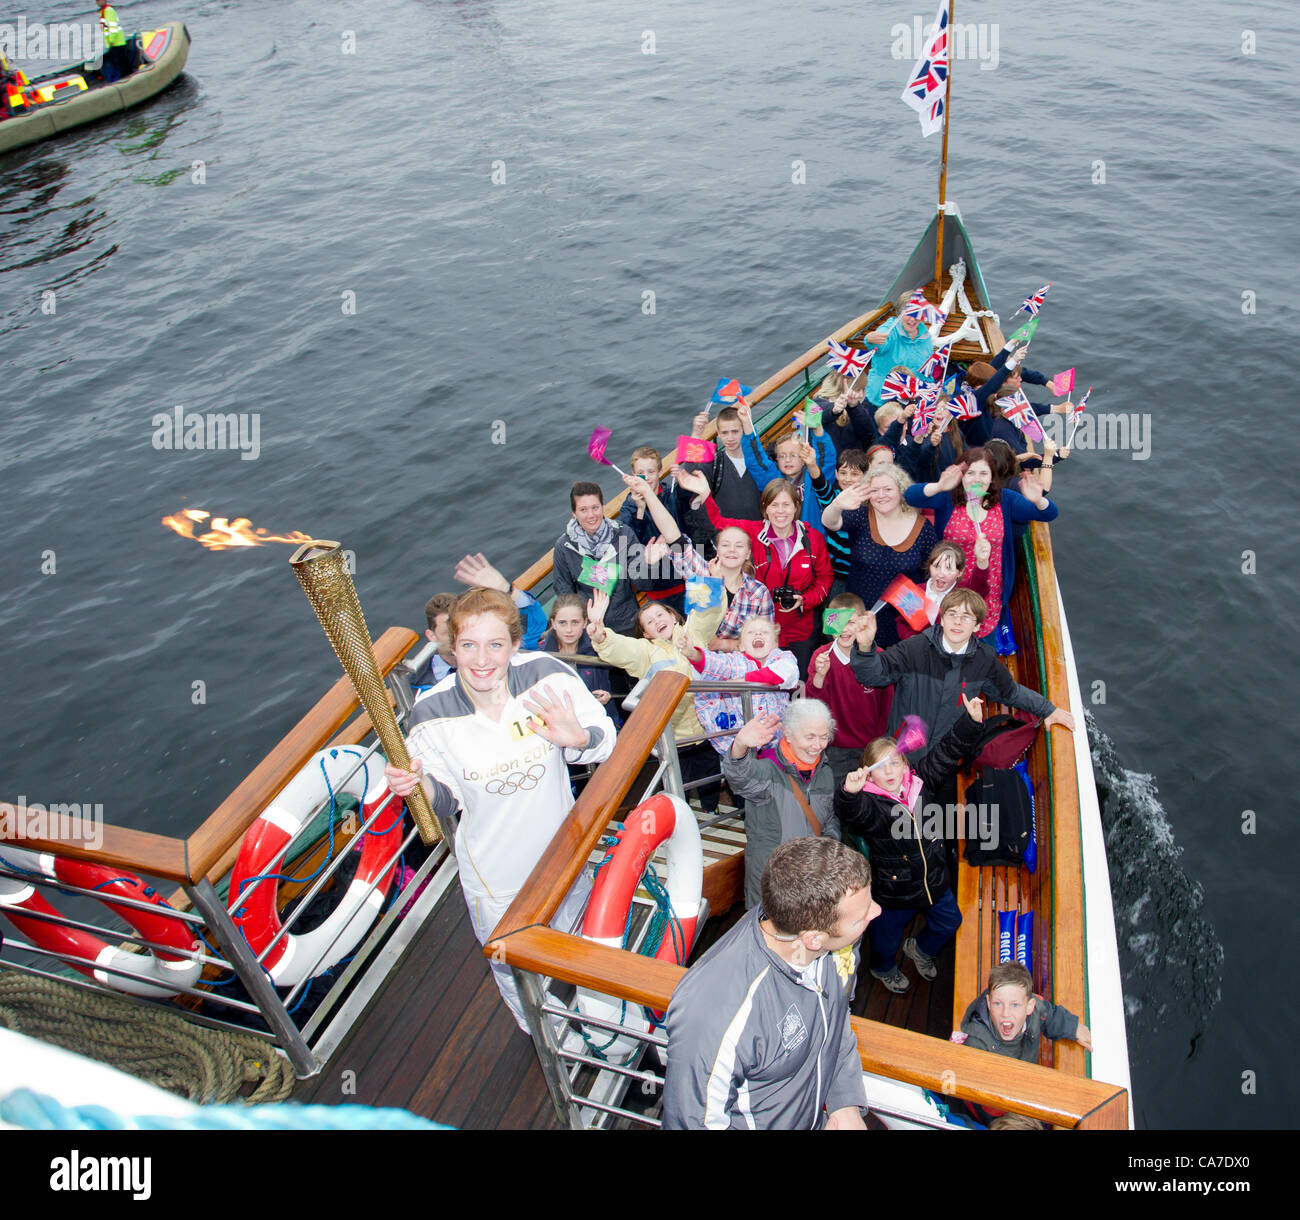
901	340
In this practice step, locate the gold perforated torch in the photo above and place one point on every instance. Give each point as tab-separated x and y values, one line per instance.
323	574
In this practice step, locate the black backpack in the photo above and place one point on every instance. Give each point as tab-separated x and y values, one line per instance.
1004	835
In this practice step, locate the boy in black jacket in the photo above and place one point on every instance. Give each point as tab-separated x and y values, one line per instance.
932	672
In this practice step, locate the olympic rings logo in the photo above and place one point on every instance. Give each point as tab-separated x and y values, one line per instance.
516	781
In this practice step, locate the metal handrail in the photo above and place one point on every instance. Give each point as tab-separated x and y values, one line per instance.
195	861
118	900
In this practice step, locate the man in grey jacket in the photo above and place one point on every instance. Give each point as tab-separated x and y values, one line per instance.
758	1030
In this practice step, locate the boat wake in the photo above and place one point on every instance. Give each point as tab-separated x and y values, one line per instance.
1170	955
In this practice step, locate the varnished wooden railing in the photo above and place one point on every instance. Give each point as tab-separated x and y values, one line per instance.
899	1054
541	569
137	850
211	850
1069	964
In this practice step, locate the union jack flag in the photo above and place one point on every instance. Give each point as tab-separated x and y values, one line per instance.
919	307
848	360
927	405
898	386
964	406
927	87
936	367
1076	415
1034	303
1020	411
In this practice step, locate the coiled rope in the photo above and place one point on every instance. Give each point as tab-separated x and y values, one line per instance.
201	1064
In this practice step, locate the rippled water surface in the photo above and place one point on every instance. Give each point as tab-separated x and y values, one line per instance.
518	304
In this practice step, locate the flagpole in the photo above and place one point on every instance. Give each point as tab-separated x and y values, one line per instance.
1075	423
943	163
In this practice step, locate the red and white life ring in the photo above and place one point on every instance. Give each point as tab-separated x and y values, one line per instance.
296	956
165	973
662	817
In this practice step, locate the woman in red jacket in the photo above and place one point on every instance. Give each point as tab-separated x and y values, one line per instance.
789	558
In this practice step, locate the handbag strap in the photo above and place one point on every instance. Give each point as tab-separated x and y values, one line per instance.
807	808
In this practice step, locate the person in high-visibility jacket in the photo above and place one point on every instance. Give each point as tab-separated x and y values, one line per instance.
117	58
13	82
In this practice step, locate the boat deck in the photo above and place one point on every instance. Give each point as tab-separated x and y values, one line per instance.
925	1009
438	1041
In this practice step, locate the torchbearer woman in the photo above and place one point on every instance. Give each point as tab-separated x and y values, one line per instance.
493	740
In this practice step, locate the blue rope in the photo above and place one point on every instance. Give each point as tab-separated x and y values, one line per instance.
663	920
365	768
33	1111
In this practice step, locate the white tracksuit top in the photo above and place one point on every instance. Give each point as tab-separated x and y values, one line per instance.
511	784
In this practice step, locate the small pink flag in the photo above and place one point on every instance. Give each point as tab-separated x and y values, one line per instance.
596	446
1063	383
912	735
692	449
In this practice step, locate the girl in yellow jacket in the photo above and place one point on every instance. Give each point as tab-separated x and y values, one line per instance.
657	623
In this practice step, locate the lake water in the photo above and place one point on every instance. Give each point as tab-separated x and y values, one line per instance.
392	234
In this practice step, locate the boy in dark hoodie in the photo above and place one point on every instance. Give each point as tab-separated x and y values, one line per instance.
1008	1019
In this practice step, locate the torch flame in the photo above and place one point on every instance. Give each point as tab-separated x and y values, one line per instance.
222	534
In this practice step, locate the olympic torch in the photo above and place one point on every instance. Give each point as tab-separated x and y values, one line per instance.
323	574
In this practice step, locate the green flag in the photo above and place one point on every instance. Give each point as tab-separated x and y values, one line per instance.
1026	332
599	574
834	621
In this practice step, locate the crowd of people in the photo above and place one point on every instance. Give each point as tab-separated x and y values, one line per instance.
796	550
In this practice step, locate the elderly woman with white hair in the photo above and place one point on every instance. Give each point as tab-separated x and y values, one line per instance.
789	791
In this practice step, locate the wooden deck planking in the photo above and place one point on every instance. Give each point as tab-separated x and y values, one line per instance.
417	976
491	1107
439	1023
455	1078
439	1041
444	981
